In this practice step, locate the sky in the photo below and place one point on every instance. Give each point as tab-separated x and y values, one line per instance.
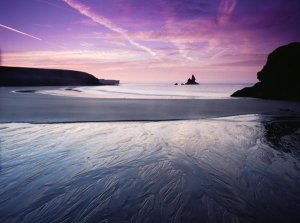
220	41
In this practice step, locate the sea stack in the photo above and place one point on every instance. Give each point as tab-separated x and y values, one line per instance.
279	78
191	81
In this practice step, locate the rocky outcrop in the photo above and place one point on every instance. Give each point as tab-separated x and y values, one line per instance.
279	78
21	76
108	82
191	81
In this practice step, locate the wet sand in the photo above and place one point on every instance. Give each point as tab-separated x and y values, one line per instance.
234	169
42	108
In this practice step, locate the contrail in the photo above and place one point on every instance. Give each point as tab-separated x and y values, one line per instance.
26	34
82	9
18	31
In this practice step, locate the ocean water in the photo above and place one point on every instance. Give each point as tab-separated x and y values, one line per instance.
234	169
153	91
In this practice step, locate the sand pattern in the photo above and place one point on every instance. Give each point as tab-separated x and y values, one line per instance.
213	170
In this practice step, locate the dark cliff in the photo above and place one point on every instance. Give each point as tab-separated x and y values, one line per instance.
279	78
21	76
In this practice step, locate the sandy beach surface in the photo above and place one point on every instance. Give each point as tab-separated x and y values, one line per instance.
223	160
234	169
43	108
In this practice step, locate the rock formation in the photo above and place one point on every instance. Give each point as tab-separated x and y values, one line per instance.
191	81
21	76
279	78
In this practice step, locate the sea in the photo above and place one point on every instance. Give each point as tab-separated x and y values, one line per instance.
153	91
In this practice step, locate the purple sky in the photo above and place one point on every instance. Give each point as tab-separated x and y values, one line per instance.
148	41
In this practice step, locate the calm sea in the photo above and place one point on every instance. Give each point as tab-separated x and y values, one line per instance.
163	91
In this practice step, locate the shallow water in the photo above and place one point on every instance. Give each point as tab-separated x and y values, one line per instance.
152	91
235	169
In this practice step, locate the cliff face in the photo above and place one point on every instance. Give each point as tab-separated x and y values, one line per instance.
21	76
279	78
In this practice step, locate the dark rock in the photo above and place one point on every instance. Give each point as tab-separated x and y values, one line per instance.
279	78
108	82
281	134
21	76
191	81
176	84
26	91
0	57
73	89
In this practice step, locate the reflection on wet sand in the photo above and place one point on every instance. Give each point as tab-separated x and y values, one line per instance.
212	170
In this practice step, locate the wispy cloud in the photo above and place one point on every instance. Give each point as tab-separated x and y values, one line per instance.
70	55
226	8
18	31
84	10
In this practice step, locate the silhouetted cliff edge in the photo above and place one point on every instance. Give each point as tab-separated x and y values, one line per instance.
21	76
279	78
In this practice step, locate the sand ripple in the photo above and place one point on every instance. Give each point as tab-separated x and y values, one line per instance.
215	170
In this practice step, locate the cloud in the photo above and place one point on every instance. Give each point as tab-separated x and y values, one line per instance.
226	8
243	63
70	55
84	10
18	31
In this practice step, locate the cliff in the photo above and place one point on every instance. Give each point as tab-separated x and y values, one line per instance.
21	76
279	78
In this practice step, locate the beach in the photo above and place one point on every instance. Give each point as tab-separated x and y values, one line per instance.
152	111
216	170
79	159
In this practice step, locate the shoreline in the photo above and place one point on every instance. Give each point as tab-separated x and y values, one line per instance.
42	108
